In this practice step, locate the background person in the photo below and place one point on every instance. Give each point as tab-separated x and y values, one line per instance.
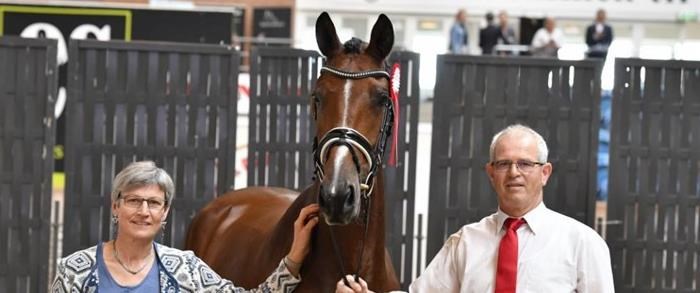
547	40
459	37
599	36
489	35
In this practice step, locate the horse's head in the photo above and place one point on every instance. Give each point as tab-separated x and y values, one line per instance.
354	116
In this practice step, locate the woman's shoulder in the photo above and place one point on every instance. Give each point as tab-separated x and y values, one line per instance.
167	250
173	258
81	260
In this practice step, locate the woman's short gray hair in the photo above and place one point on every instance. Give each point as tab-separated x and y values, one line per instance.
143	173
542	151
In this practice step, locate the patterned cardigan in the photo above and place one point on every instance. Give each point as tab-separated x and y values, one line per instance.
179	271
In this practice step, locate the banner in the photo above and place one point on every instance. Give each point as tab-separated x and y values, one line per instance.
65	22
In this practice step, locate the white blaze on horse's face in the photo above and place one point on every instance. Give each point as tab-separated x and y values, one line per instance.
346	107
347	94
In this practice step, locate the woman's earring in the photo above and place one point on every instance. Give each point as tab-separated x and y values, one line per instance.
115	227
162	231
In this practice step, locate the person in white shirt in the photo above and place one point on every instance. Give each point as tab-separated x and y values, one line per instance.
547	40
554	253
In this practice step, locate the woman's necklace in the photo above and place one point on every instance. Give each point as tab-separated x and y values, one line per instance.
116	256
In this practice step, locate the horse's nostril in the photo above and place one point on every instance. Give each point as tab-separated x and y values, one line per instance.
350	197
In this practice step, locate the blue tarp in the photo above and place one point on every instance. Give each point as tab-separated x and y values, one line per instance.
603	145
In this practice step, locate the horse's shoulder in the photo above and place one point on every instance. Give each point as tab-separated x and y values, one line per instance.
256	194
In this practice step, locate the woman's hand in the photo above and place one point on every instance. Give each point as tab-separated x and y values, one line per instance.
355	287
307	220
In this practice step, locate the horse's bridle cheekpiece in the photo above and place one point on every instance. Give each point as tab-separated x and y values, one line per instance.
355	140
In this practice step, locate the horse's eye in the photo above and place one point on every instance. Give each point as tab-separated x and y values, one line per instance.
315	98
382	96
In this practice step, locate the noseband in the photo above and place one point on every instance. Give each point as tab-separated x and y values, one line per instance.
354	140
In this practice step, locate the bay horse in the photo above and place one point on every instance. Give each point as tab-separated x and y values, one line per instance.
244	234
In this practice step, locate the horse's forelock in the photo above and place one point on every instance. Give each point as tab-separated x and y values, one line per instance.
353	46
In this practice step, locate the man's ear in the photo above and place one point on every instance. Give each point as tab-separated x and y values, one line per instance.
489	171
546	172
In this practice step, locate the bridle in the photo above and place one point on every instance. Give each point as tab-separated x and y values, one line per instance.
354	140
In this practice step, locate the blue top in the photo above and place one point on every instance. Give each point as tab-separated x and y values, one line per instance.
459	39
149	284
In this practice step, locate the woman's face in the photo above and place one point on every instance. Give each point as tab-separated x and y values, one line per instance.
140	211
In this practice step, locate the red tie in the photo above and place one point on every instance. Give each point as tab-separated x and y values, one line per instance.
506	273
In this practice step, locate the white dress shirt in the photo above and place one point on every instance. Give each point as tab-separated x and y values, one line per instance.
542	38
555	254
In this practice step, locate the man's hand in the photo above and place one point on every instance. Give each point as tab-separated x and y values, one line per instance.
355	287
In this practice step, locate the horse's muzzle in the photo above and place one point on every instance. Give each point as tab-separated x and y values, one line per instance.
339	203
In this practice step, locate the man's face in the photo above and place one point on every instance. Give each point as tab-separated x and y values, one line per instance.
518	190
462	16
549	24
600	16
503	18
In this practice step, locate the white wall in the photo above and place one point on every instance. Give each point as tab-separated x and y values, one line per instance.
646	10
643	28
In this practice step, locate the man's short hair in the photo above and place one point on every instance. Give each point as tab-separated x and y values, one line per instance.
542	151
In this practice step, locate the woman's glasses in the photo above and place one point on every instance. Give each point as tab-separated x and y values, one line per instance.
136	202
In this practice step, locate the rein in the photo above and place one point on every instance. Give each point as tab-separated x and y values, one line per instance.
354	140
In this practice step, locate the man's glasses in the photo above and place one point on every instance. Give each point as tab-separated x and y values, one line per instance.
136	202
524	166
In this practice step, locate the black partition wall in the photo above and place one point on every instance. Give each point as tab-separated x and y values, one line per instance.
28	86
654	202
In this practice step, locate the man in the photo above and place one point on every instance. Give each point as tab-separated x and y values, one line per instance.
599	36
547	40
459	38
507	35
524	245
488	36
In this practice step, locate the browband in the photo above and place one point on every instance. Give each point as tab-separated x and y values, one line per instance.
356	75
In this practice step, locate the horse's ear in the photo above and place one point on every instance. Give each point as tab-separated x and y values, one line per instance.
382	39
326	37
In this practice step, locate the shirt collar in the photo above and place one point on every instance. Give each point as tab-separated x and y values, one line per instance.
535	219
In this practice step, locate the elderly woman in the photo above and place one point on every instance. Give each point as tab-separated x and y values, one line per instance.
133	262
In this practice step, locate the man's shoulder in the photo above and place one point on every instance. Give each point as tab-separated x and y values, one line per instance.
485	224
570	224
